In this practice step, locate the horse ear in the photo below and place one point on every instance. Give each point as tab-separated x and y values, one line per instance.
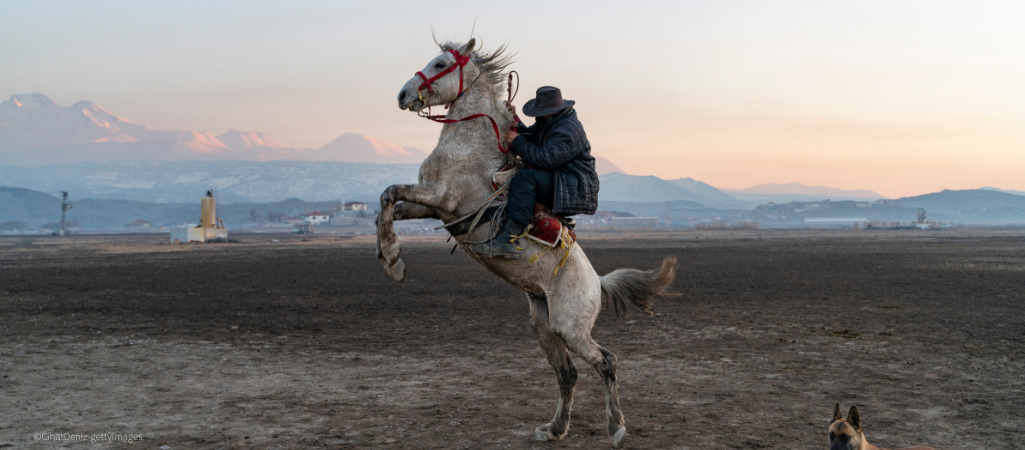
854	418
468	47
836	413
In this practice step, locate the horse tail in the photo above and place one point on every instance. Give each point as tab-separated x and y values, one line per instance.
641	287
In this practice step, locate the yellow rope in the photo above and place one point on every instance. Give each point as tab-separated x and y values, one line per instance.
565	242
526	232
567	247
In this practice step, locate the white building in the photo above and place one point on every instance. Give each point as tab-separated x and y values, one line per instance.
354	206
316	218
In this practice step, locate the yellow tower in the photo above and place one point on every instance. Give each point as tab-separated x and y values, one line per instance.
210	226
208	217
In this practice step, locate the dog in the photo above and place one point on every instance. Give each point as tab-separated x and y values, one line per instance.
846	434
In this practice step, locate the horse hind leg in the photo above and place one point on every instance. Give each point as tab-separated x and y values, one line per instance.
558	356
604	362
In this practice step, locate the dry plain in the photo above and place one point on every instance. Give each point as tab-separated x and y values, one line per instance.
305	342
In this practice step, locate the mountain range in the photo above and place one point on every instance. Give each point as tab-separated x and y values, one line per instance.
98	156
619	187
795	192
35	131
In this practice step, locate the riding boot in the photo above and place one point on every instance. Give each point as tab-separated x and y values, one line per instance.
503	244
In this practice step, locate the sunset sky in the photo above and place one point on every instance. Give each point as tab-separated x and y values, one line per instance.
901	97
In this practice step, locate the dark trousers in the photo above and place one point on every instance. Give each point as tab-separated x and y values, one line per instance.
529	186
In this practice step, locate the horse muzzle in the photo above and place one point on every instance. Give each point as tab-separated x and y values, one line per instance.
409	101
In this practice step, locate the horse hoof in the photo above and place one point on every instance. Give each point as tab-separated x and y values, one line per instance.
398	271
617	436
544	433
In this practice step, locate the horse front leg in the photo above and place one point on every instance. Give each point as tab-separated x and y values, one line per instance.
388	250
558	357
407	211
404	211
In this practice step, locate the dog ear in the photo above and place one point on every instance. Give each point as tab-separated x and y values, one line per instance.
836	413
854	418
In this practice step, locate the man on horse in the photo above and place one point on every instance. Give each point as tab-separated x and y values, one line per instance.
559	171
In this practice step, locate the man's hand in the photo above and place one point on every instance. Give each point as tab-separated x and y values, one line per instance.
510	136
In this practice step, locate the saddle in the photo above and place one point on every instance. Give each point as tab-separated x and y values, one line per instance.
545	227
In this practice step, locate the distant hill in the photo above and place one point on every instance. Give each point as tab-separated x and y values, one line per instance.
968	207
791	192
618	187
1006	191
977	206
25	205
711	195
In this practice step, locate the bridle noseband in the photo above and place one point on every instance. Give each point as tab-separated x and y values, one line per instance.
428	82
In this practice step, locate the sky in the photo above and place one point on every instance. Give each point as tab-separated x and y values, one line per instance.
900	97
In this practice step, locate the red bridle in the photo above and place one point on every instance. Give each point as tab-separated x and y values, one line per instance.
460	62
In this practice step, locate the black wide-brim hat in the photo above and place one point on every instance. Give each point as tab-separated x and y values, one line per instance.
547	100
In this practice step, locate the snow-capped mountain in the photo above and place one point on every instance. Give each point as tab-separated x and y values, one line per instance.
360	148
244	140
604	166
33	124
36	131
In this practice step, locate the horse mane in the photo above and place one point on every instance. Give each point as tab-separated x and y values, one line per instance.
492	65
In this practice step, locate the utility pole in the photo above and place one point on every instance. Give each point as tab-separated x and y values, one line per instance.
65	206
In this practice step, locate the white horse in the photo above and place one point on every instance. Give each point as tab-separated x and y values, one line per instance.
565	293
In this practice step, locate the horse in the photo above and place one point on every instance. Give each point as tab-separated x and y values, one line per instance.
455	181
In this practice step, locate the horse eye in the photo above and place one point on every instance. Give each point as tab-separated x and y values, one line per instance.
440	65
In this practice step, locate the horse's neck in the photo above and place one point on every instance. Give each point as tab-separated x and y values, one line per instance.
471	147
479	98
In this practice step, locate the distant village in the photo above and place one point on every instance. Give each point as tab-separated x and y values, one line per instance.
357	218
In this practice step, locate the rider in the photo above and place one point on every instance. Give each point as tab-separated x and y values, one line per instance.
559	171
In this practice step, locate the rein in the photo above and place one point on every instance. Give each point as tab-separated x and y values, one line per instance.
494	125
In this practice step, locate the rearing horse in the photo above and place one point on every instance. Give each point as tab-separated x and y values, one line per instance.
565	293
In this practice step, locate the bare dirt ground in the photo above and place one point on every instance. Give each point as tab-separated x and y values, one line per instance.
307	343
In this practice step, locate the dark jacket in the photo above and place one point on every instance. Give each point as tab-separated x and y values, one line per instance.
559	145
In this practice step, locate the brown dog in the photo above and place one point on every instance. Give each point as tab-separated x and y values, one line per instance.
846	434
